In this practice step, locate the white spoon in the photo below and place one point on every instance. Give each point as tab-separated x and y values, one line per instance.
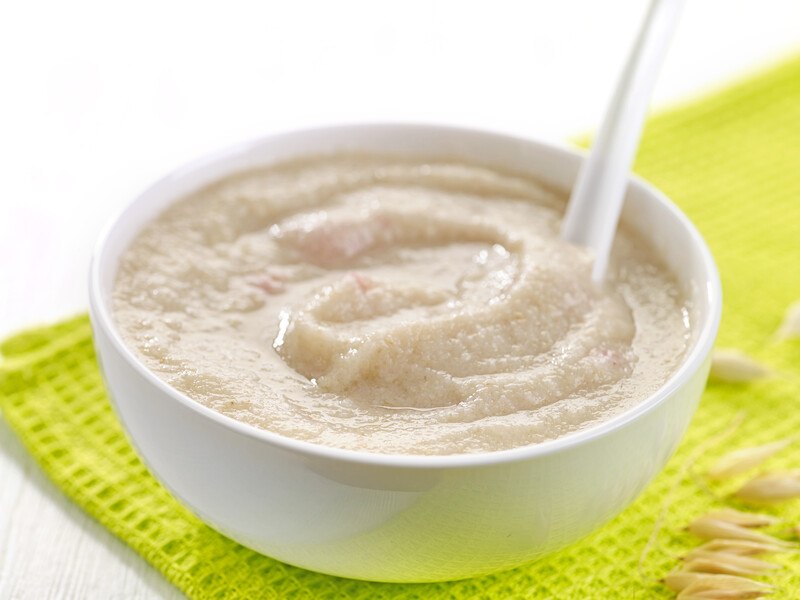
596	200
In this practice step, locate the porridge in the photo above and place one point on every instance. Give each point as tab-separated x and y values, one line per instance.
395	305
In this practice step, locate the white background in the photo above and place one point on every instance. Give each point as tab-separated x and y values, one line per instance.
98	99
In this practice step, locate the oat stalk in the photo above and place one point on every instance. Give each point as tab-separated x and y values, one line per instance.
679	580
708	528
734	366
790	327
743	519
721	586
739	548
770	488
742	460
728	564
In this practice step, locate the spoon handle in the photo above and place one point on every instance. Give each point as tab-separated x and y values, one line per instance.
596	201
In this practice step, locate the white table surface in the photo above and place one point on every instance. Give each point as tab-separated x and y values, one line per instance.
101	98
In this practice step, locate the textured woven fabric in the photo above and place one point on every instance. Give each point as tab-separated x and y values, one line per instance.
731	161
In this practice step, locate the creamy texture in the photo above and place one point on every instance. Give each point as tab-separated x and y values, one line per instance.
395	305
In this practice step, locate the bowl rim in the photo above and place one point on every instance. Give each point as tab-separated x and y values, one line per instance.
101	318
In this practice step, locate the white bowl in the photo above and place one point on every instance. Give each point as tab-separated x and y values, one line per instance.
402	517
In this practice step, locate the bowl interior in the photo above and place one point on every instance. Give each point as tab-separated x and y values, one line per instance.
646	211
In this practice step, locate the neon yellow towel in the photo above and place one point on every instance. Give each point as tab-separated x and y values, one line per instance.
731	161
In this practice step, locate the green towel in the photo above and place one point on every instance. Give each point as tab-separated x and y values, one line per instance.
731	161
